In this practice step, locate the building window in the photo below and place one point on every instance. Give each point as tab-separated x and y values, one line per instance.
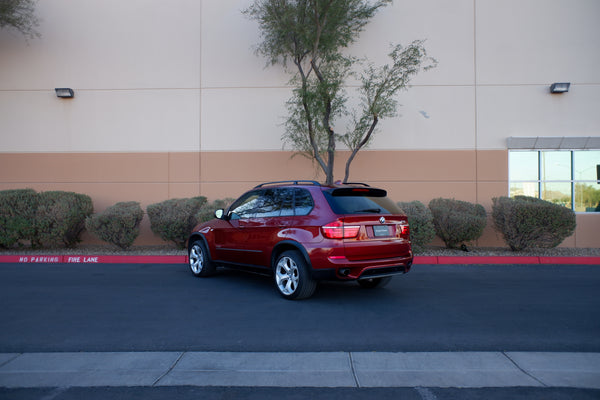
567	177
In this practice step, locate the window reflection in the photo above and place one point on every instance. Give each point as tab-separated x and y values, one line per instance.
557	193
555	165
530	189
587	197
586	170
523	165
586	165
303	202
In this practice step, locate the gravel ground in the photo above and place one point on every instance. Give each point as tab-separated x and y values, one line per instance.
429	251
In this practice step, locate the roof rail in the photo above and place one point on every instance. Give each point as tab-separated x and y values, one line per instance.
293	182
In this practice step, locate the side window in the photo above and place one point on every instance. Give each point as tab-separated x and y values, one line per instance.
303	202
268	204
287	201
280	202
257	204
245	207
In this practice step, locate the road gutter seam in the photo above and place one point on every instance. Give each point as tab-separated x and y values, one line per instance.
353	370
10	360
524	371
170	369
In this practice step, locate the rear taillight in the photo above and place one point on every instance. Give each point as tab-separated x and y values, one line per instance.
338	230
403	231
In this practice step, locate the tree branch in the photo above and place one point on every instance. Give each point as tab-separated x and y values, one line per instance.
360	146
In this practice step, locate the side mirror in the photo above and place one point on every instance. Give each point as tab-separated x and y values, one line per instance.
219	213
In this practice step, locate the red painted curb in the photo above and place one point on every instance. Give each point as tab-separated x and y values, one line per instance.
425	260
488	260
446	260
51	259
93	259
570	260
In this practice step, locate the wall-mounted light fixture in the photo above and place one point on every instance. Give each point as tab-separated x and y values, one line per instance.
560	87
65	93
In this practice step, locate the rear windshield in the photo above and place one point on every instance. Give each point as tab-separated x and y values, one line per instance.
360	201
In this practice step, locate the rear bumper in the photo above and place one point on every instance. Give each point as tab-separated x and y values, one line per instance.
343	269
383	272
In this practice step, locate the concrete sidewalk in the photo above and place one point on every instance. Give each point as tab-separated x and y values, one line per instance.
334	369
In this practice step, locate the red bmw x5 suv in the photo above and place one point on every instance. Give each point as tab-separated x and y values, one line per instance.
302	232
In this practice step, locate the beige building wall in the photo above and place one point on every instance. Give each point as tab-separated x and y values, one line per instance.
170	100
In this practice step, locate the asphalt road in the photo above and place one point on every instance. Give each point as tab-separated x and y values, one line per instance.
60	308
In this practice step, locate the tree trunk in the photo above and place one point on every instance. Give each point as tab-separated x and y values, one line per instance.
360	146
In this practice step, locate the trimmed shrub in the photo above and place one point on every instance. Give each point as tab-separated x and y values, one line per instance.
207	211
420	220
17	215
60	218
457	221
118	224
529	222
173	220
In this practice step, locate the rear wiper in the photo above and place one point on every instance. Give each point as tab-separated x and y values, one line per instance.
369	210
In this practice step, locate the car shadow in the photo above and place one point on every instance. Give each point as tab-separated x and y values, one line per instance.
258	283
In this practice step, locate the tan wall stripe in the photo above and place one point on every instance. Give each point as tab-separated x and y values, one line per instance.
153	177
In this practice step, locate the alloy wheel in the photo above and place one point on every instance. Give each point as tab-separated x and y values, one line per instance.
287	276
196	259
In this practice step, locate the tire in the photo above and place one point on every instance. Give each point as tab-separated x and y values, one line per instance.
199	260
374	282
292	276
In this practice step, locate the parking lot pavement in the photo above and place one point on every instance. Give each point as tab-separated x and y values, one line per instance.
292	369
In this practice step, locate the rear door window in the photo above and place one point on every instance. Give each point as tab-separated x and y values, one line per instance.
287	201
360	201
295	201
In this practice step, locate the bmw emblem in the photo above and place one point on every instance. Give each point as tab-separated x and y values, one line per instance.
382	220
